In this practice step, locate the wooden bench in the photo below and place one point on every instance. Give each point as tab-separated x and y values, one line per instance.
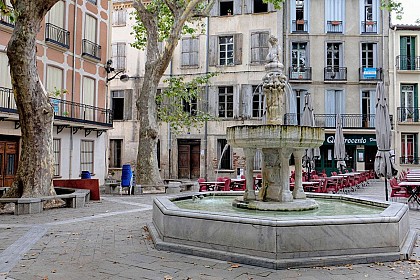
33	205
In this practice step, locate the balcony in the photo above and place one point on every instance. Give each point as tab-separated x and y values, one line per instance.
57	35
91	49
334	26
370	74
5	20
409	160
335	73
369	27
405	62
300	73
63	110
352	121
299	26
408	114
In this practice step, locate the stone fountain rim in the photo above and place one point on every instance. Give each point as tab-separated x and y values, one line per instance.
392	212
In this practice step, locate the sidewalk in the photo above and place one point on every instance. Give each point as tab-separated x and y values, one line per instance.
108	240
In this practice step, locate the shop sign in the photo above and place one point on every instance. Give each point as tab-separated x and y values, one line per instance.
369	73
354	139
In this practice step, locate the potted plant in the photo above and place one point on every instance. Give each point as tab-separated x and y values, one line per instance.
229	12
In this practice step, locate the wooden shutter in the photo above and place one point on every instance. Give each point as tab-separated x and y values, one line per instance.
194	51
185	52
237	40
215	9
245	100
213	100
213	50
237	7
128	104
248	6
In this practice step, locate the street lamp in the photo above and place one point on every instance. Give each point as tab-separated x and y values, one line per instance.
108	68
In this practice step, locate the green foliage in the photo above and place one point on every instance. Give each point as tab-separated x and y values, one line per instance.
165	20
7	11
179	103
393	5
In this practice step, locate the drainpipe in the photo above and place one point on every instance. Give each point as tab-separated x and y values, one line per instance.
206	100
73	81
169	132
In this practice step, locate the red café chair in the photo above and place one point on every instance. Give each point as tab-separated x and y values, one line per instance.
203	187
241	186
226	186
397	191
332	186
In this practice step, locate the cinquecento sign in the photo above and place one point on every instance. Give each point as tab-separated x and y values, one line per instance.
354	139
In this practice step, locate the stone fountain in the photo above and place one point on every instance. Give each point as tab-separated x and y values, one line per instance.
287	238
277	142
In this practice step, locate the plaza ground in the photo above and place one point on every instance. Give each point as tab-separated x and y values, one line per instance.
109	240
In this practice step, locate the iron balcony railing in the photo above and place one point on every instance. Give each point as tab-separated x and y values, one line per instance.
405	62
335	73
408	114
409	160
91	49
63	110
300	73
5	19
299	26
329	120
334	26
369	26
57	35
370	74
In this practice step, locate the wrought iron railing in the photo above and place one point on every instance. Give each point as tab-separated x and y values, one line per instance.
299	26
329	120
300	73
334	26
57	35
369	26
91	49
370	74
408	114
405	62
335	73
5	19
409	160
63	110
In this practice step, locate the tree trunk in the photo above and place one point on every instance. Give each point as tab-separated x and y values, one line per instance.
35	168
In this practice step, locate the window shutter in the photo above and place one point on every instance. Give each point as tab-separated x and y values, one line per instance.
254	47
213	49
215	9
237	39
245	105
185	59
237	7
213	101
293	10
194	51
270	7
128	104
248	6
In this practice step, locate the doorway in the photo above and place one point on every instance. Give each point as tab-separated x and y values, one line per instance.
370	154
188	159
9	155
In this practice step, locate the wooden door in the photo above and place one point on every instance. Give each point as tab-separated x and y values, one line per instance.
195	161
370	154
183	161
8	162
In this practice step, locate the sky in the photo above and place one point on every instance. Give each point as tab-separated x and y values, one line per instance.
411	12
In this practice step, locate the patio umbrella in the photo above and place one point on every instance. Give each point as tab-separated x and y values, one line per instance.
384	167
339	144
308	119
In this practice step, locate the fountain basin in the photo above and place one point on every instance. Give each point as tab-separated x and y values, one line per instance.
275	136
282	242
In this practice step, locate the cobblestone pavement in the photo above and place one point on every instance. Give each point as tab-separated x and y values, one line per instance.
108	240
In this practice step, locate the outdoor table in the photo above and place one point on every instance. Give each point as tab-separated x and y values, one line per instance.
310	186
211	186
413	188
235	183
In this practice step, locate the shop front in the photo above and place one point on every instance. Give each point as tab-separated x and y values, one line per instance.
360	153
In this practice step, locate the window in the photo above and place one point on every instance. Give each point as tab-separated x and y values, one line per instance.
258	160
223	150
88	99
115	153
368	108
334	69
334	104
260	6
369	16
86	156
226	102
5	81
92	1
408	53
408	149
118	56
299	58
409	100
90	28
299	15
225	8
226	49
56	15
90	47
118	104
54	80
190	106
189	52
119	17
57	156
259	47
334	15
55	27
368	55
257	102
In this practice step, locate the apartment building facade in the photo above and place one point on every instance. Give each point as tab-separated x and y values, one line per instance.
334	50
404	83
72	48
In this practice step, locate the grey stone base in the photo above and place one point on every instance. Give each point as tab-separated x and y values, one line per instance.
295	205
